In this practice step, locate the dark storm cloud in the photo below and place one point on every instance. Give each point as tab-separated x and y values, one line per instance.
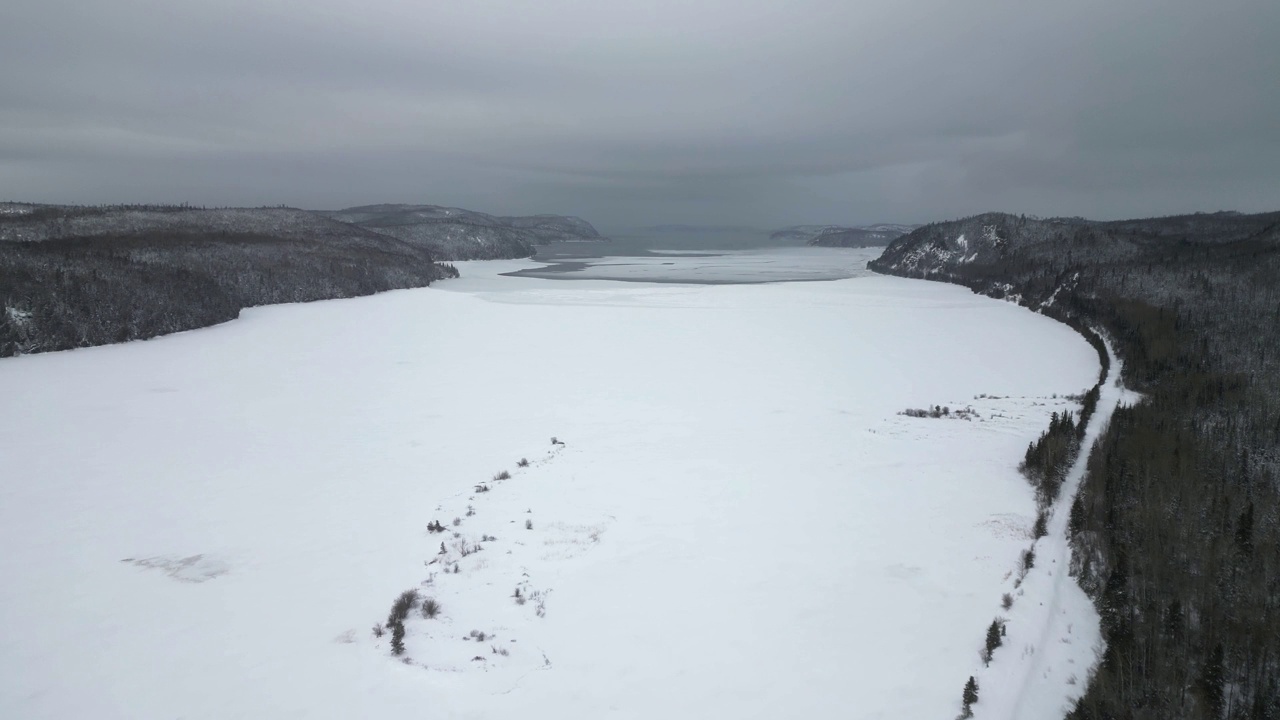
633	113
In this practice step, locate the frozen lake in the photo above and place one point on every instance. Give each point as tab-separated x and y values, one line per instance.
740	523
710	267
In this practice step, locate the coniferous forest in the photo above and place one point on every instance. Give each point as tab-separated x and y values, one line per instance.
92	276
1176	530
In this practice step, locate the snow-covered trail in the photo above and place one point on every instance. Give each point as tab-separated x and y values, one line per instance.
740	525
1053	639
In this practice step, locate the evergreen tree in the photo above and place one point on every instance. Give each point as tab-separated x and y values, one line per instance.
1244	531
397	639
1211	682
993	638
1076	521
970	696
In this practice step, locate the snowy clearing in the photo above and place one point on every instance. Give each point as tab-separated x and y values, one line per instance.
739	523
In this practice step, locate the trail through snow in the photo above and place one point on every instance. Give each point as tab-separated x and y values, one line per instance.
1053	639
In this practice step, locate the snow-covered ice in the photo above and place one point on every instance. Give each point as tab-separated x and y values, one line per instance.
738	524
759	265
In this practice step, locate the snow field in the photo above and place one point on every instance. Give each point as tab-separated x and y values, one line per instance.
739	523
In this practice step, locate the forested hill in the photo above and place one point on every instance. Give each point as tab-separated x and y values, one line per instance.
457	234
73	276
1176	529
841	236
32	223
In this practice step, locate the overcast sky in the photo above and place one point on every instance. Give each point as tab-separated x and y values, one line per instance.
735	112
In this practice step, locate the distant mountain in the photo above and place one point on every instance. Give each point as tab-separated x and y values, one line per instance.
841	236
457	234
75	276
803	233
696	229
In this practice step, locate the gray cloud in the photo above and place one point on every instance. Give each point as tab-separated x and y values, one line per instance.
628	113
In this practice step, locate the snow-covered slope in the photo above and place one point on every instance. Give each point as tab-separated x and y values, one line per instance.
938	250
738	524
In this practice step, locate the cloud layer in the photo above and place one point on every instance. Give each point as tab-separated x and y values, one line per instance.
632	113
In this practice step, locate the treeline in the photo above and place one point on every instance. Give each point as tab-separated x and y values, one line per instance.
77	292
1179	531
1176	529
1049	458
27	212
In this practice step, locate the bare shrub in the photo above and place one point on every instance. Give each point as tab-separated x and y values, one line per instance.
430	608
403	604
